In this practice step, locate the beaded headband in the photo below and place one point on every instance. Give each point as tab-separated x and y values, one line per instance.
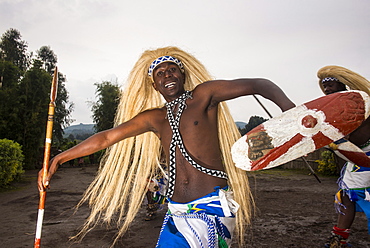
163	59
330	79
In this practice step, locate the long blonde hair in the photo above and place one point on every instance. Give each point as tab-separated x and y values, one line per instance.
121	183
352	79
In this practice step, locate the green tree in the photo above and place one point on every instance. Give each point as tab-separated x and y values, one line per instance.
104	109
11	161
13	61
63	111
48	58
327	164
34	102
9	103
25	95
253	122
64	108
14	49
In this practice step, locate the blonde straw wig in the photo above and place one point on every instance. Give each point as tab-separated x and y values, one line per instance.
352	79
121	183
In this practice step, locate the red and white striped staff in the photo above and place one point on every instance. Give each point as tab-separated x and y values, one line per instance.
45	166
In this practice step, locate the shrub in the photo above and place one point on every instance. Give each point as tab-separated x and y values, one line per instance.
11	161
327	165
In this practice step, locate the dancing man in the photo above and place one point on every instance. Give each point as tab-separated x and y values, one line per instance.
208	196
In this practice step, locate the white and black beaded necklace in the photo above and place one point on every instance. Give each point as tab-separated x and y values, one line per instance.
176	141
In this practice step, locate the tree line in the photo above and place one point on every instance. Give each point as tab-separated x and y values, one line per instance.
25	81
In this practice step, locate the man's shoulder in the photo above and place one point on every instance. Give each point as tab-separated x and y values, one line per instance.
154	112
209	88
211	85
151	117
203	88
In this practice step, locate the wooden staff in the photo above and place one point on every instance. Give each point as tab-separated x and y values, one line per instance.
303	159
45	166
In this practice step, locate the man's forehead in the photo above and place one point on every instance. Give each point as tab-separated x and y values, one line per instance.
331	83
164	64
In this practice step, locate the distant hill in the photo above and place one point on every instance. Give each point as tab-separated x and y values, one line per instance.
81	130
240	124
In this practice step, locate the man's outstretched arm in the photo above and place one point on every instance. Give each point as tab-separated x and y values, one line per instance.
222	90
99	141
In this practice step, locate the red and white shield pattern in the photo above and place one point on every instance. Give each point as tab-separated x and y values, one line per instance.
302	130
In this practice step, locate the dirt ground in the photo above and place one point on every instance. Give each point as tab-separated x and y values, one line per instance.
293	210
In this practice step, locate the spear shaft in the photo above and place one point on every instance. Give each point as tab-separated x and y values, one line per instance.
45	166
303	159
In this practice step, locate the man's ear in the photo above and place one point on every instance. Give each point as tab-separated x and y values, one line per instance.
154	86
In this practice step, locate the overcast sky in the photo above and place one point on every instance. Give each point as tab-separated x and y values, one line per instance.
286	41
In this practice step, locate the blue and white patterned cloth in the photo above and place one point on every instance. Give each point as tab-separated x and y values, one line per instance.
206	222
355	182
